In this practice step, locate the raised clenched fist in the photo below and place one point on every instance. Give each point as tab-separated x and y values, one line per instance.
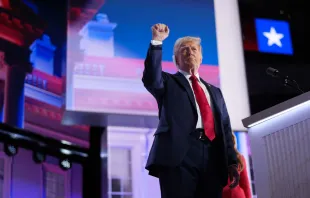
160	32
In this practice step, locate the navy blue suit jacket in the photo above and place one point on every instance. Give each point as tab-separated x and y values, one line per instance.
178	117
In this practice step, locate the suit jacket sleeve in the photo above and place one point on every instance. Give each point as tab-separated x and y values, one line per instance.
244	182
231	153
153	77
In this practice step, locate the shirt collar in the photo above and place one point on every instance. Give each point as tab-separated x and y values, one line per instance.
188	75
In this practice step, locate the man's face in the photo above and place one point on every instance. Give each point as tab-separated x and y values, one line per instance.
189	56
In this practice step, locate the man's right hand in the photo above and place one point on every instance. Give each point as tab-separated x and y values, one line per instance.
160	32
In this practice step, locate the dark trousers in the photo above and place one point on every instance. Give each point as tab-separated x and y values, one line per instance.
197	175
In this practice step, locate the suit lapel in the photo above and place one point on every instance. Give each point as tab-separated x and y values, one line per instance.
184	82
212	93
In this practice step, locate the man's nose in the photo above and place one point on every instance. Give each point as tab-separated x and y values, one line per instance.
189	51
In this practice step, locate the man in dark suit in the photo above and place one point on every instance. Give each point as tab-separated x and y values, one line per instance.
193	152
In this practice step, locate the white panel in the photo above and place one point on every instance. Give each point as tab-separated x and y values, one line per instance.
288	156
281	158
231	61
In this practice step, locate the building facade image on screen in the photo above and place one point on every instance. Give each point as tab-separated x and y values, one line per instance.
32	53
106	55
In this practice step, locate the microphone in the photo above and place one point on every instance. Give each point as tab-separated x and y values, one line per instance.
272	72
286	81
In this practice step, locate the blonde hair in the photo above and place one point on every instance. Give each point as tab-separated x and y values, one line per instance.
185	39
239	156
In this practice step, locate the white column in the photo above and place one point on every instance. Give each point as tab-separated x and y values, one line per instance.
231	61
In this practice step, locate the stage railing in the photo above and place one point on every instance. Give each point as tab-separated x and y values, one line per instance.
32	141
21	138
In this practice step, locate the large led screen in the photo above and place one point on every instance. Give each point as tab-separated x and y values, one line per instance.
106	52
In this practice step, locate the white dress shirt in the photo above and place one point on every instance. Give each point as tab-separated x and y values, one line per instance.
187	76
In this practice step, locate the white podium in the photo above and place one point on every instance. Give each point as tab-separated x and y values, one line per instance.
280	146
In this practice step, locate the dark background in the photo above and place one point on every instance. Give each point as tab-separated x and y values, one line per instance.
265	91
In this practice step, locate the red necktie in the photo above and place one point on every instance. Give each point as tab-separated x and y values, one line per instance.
205	109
